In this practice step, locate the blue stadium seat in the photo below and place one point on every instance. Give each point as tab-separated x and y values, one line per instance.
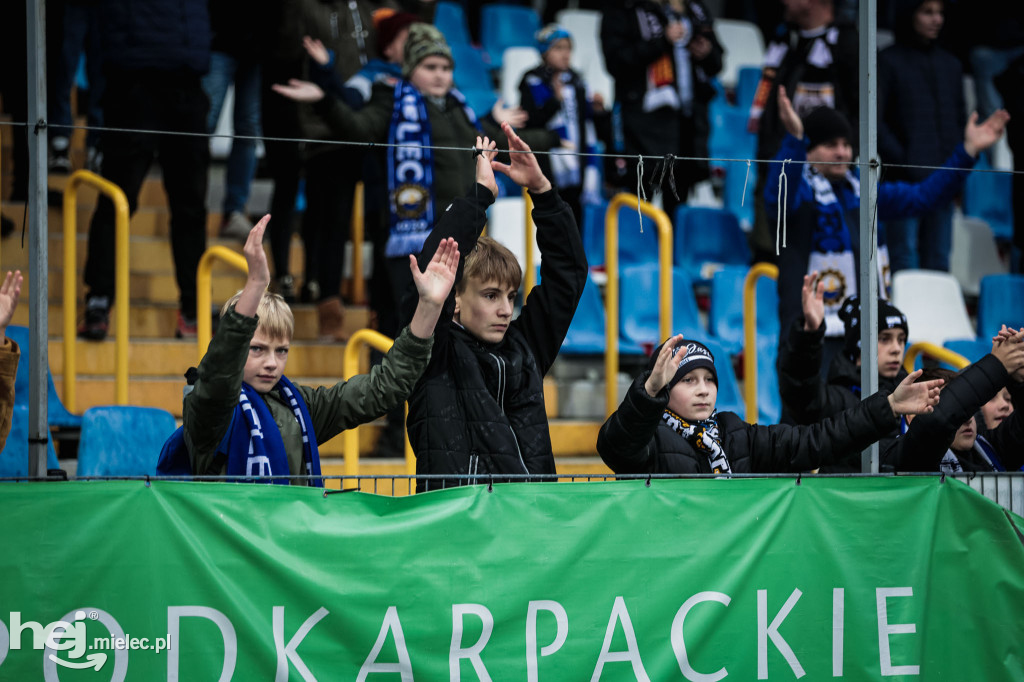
972	349
480	101
747	80
730	398
738	192
14	457
122	440
503	26
769	402
1000	301
988	196
586	332
707	239
729	137
593	232
471	72
450	19
635	247
725	318
639	306
57	416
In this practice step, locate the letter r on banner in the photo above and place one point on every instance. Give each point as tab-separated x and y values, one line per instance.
458	652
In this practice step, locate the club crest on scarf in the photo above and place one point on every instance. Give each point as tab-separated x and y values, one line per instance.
703	436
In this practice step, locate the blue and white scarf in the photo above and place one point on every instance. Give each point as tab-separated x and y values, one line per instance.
411	170
254	443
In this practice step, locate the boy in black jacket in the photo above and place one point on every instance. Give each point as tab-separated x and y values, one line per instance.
668	424
479	407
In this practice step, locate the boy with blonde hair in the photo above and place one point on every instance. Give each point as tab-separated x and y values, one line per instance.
479	408
245	418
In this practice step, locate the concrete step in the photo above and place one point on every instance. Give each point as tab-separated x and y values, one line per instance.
158	320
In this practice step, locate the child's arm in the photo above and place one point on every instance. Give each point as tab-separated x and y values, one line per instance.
369	124
549	308
10	354
368	396
209	408
626	439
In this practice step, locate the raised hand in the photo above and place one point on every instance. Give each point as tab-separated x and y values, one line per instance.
664	367
434	283
10	292
788	115
484	172
259	271
813	298
524	169
299	90
316	50
1009	349
919	398
979	137
514	116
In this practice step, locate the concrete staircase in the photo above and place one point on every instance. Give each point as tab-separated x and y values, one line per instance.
157	360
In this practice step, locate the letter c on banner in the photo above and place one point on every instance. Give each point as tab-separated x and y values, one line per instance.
115	629
561	631
679	643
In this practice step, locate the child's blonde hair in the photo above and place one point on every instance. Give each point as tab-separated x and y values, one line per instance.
491	261
275	315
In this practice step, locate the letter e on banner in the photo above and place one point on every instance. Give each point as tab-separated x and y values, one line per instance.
885	629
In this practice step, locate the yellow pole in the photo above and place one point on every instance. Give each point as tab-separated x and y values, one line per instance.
121	303
757	271
530	276
350	367
358	237
938	352
204	276
611	292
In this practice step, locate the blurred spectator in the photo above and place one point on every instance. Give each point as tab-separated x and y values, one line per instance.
10	354
555	97
1011	84
235	60
662	55
154	55
14	91
815	57
921	118
992	35
76	29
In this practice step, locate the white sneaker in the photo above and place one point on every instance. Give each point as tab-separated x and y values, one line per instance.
236	226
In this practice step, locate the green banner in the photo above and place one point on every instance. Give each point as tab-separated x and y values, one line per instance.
746	579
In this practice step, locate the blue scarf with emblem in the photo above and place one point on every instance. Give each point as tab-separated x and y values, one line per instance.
411	170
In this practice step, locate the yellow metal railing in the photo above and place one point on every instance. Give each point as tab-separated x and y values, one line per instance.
358	236
530	276
204	295
121	213
938	352
350	368
756	272
611	292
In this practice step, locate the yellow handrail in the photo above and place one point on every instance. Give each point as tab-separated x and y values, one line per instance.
938	352
350	368
757	271
358	236
204	276
121	213
611	292
530	276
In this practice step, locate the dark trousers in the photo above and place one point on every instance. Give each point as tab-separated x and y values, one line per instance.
284	162
331	177
152	100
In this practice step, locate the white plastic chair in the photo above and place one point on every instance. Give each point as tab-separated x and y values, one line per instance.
974	253
516	61
743	45
506	223
934	305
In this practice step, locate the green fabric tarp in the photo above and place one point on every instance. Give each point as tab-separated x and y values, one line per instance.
753	578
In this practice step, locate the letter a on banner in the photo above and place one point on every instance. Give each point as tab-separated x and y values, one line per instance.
404	665
632	652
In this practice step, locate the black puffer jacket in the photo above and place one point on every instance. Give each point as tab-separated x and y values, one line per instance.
635	440
808	400
479	408
162	35
929	436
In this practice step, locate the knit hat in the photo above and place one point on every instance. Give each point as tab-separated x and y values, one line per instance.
424	41
389	26
690	355
547	36
889	317
825	124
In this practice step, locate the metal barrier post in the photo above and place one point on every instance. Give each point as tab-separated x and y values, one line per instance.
611	292
204	275
530	276
938	352
120	201
358	237
350	368
756	272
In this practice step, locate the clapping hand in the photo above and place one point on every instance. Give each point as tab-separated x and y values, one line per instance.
10	292
523	169
787	114
915	398
664	367
980	136
299	90
434	283
813	298
486	150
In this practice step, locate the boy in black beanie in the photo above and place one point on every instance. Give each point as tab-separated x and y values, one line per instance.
668	423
